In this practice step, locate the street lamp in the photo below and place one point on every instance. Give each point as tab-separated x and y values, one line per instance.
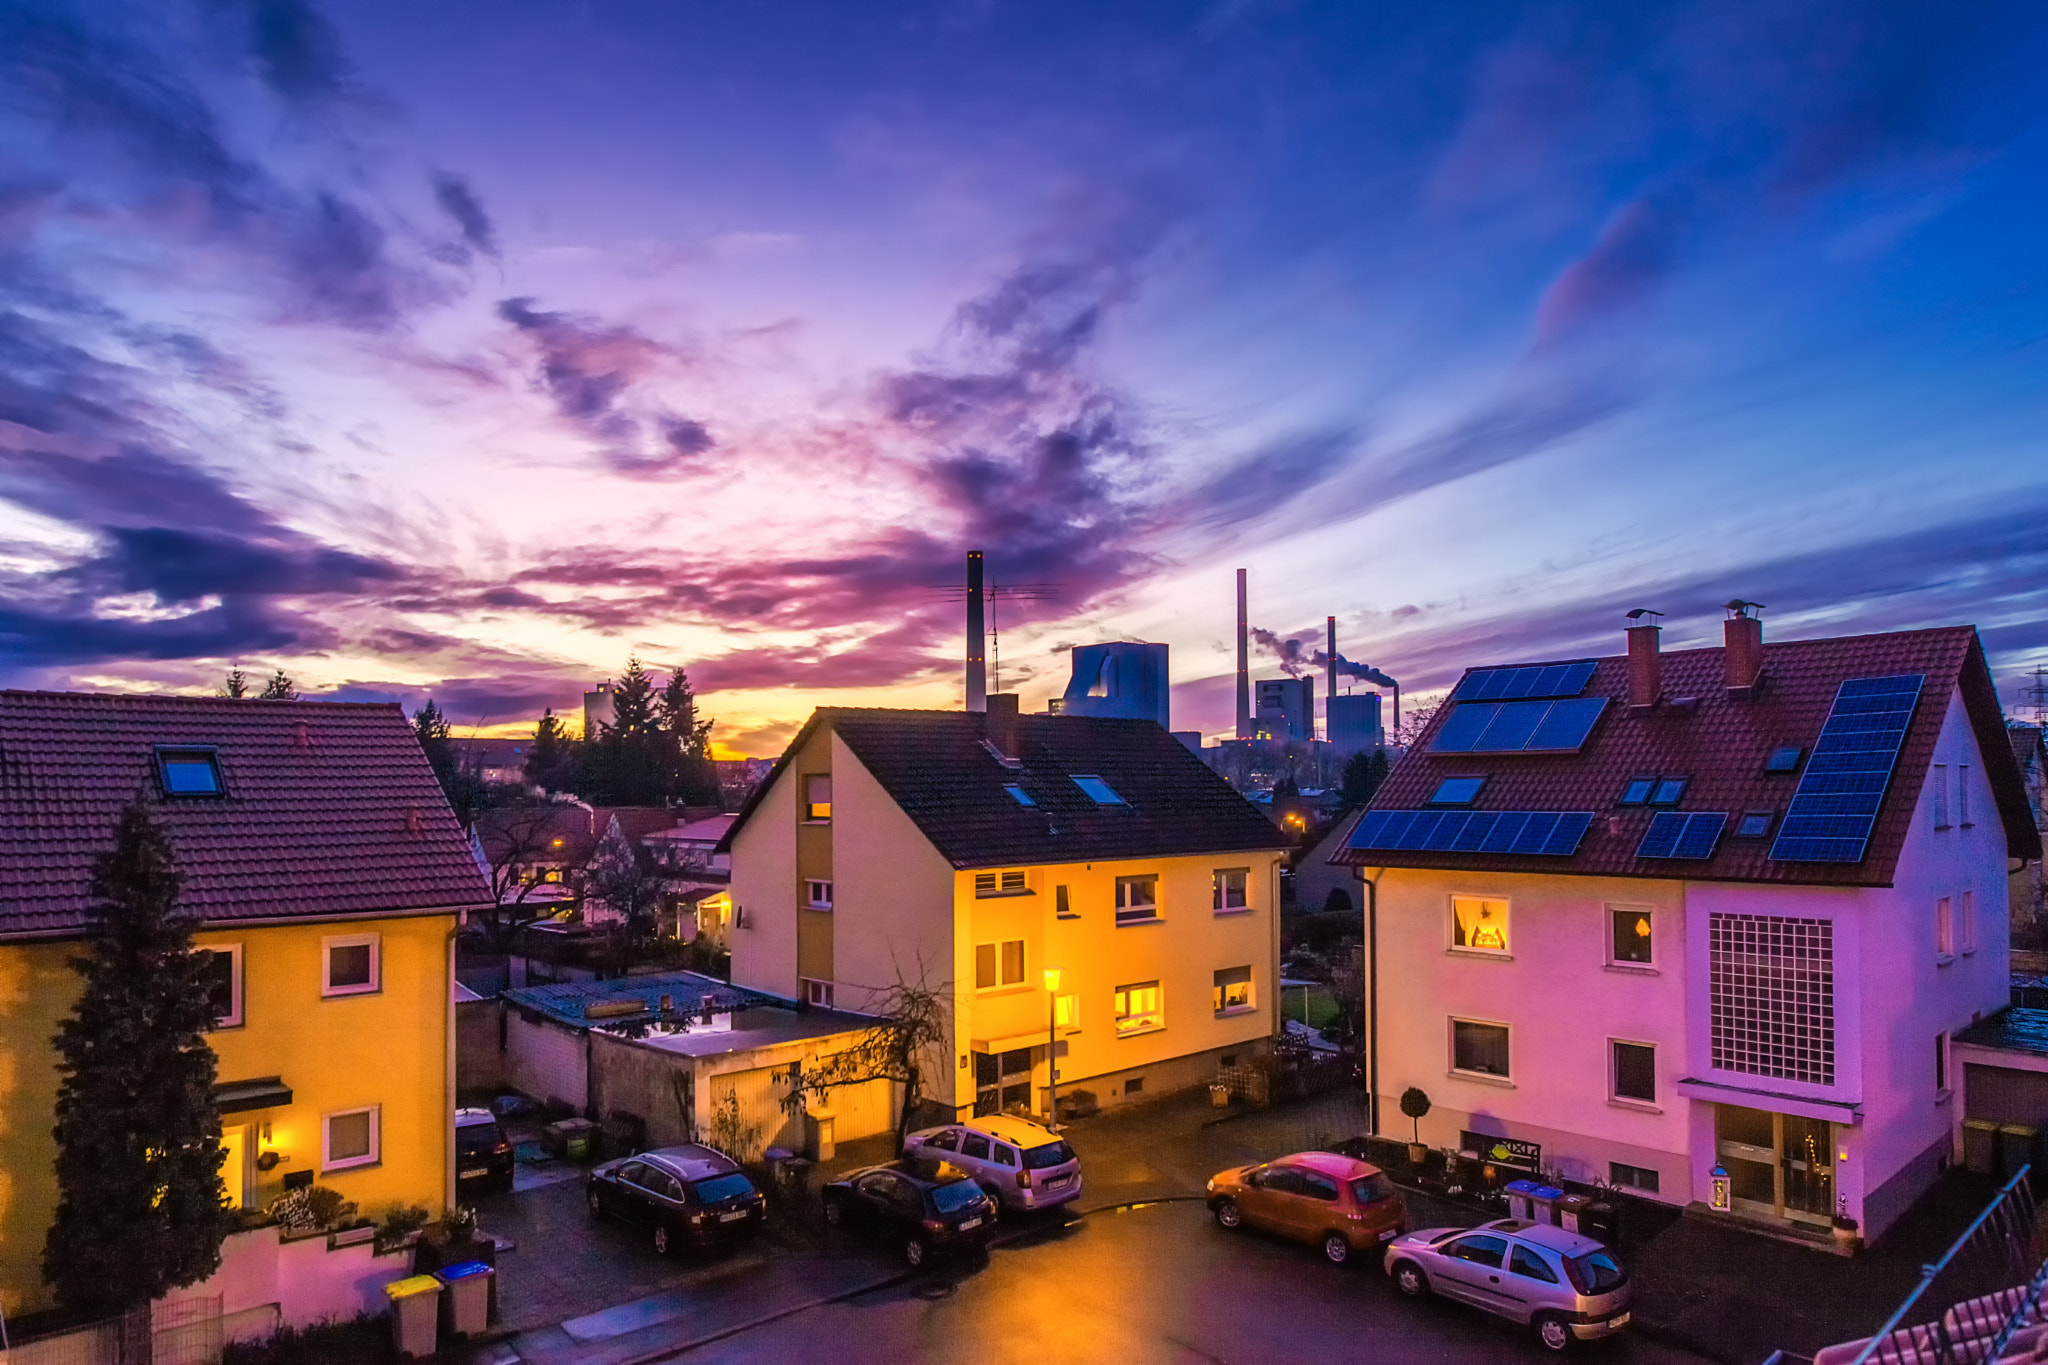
1052	1043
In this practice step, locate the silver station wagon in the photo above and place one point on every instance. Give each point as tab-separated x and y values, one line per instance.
1023	1165
1569	1288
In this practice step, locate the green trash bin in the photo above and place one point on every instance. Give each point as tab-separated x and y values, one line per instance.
415	1313
465	1297
2017	1145
1980	1145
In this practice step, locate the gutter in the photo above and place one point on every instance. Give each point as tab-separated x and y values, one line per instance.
461	912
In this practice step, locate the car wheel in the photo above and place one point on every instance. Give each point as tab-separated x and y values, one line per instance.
661	1239
1335	1249
995	1203
1553	1332
1229	1215
914	1253
1409	1279
835	1215
596	1203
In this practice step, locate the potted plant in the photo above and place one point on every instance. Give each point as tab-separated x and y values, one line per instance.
1415	1105
1845	1227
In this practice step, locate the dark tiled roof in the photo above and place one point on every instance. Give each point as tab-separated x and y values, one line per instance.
1720	746
635	822
2012	1029
331	809
935	766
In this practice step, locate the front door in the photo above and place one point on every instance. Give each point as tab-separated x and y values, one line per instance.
234	1166
1780	1166
1002	1081
1808	1161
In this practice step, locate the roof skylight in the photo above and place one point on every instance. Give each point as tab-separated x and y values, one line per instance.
1100	792
1457	791
1018	794
1783	760
188	772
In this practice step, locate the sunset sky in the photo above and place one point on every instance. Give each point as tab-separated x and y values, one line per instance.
464	348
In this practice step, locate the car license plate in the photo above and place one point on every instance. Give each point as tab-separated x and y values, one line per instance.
732	1217
1388	1235
970	1223
474	1171
1059	1182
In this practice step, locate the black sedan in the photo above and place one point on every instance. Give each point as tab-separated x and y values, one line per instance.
688	1194
930	1210
483	1156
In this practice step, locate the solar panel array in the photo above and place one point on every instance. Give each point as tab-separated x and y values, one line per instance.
1683	834
1554	834
1835	807
1491	727
1513	684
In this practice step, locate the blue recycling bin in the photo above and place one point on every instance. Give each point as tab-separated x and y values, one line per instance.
465	1297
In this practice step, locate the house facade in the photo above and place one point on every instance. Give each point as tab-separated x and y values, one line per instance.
979	854
331	874
1701	924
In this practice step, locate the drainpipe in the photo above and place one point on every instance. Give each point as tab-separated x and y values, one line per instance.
1372	1000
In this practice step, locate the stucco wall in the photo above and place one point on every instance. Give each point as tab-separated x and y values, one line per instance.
544	1059
37	989
764	892
479	1061
309	1282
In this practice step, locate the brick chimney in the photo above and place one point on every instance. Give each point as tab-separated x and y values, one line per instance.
1002	723
1645	668
1744	635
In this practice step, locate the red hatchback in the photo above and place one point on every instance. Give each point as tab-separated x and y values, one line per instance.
1343	1205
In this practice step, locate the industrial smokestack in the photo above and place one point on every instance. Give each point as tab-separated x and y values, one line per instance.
1330	623
1244	663
977	644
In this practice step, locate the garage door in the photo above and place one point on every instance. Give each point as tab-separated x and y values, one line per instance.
2005	1096
747	1115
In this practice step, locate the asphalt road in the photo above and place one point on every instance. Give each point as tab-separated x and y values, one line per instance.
1155	1283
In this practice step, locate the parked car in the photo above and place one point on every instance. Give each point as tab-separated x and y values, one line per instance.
689	1194
1568	1287
1343	1205
483	1154
934	1209
1019	1163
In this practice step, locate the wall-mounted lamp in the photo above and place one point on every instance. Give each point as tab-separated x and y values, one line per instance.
270	1157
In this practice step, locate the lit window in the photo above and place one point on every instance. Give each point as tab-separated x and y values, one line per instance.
1638	790
1139	1008
818	798
1233	992
1635	1072
1755	824
1784	760
220	967
1018	794
818	895
1229	884
1100	792
1668	792
1066	1012
1062	904
1479	924
818	993
1137	899
997	965
1479	1047
351	964
1630	935
1944	928
1456	791
348	1138
189	772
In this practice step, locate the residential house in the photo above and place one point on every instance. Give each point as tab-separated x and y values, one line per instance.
1656	916
1079	873
699	899
331	875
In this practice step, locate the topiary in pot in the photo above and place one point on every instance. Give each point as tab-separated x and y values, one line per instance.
1415	1104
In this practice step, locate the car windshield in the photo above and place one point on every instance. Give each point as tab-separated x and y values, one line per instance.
723	1187
476	1137
1596	1272
956	1196
1370	1189
1054	1153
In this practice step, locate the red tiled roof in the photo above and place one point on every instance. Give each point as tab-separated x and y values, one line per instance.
635	822
1720	746
331	809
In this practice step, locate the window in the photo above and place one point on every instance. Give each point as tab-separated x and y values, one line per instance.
1969	925
1456	791
818	895
189	772
974	1145
818	798
1771	987
1642	1178
1061	904
1137	899
1066	1013
351	965
1479	924
1526	1263
1233	990
1638	790
1480	1250
348	1138
1229	887
1755	824
1479	1048
1003	1154
221	968
1963	795
1318	1186
818	993
1134	1085
1937	789
1100	792
1668	792
997	965
1139	1009
1018	794
1940	1064
1635	1072
1782	760
1630	937
1000	883
1944	928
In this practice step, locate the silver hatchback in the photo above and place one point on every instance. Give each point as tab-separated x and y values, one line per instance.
1023	1165
1569	1288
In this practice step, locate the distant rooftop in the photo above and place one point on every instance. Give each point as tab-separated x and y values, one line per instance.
2012	1029
757	1019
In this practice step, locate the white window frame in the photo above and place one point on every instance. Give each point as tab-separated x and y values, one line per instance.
1451	1046
817	993
1614	911
371	1158
1505	952
1129	1025
233	951
811	787
1023	965
1614	1073
1944	930
1126	911
375	942
1219	1002
1219	884
1013	881
812	899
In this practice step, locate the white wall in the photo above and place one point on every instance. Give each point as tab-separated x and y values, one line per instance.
764	892
545	1060
307	1281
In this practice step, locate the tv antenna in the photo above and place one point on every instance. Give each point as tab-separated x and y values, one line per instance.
2035	694
992	594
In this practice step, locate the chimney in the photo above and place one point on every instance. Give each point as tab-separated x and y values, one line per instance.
1001	727
977	643
1244	663
1744	635
1645	669
1330	660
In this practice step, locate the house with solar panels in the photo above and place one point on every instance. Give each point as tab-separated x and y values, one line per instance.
1666	914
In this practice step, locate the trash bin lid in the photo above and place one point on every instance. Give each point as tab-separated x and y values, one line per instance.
411	1285
777	1154
1577	1201
462	1270
1547	1192
1522	1187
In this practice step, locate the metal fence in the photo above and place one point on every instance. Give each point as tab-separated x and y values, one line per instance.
116	1341
189	1331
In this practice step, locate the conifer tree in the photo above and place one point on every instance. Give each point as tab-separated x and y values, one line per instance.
550	762
235	685
280	687
141	1208
687	744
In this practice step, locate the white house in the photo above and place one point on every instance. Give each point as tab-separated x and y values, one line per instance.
1663	913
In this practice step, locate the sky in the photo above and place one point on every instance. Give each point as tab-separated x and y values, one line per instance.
464	349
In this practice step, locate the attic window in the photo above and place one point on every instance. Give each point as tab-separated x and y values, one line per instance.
1018	794
1457	791
1098	791
1784	760
1668	792
1638	790
189	771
